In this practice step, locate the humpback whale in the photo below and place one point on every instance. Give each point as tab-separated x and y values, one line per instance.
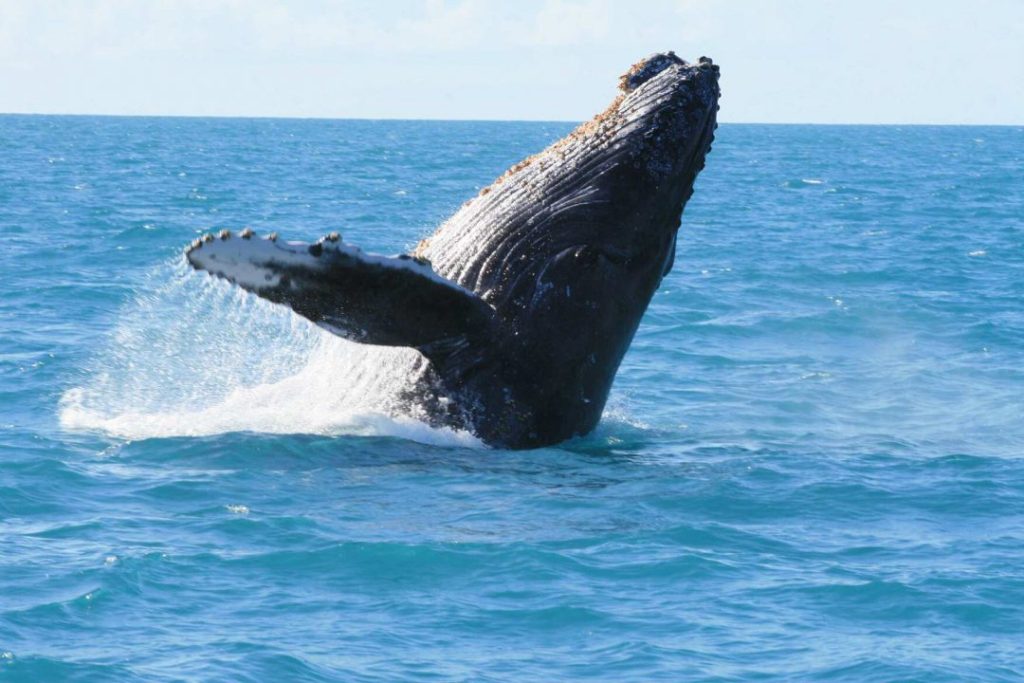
523	303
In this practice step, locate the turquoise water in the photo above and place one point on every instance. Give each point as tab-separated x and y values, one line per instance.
810	467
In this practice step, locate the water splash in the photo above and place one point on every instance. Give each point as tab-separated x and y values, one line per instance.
192	355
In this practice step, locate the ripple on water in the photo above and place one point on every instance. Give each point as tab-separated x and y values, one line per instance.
809	467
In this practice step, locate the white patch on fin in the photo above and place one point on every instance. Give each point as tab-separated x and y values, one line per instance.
247	262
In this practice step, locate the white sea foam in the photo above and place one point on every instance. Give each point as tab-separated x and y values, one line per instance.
194	356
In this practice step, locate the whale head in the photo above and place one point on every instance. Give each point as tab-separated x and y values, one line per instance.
608	197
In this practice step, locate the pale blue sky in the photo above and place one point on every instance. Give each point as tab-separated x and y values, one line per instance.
863	61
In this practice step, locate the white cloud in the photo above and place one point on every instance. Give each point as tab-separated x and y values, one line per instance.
799	60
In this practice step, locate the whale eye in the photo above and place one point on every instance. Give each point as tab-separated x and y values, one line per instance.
586	255
590	255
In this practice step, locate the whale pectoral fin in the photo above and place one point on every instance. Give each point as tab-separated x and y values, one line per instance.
389	301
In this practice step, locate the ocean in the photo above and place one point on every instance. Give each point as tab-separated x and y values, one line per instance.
811	466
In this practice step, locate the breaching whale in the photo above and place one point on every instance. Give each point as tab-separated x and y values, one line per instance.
524	302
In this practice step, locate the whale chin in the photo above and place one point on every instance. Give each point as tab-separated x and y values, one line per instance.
525	300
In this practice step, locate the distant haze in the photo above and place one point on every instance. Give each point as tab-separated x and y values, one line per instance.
825	61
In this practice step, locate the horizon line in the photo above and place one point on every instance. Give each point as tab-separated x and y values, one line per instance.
485	120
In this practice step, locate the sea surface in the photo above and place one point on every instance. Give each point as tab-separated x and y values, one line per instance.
811	466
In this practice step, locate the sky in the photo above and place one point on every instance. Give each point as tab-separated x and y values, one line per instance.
796	61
